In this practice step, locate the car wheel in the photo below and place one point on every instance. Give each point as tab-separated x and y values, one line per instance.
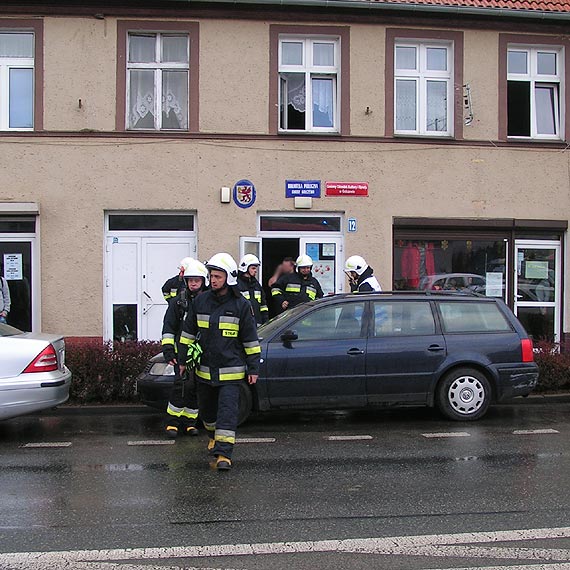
245	402
464	394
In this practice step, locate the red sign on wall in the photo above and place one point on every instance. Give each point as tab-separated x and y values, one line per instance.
346	188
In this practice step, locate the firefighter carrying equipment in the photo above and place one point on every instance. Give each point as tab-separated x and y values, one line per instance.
226	263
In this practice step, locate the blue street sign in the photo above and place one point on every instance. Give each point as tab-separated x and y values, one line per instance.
351	224
309	188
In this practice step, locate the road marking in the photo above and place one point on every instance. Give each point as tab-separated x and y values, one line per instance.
448	434
533	431
437	545
348	437
255	440
47	444
152	442
563	566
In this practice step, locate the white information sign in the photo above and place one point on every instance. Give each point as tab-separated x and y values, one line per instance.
13	269
494	284
536	270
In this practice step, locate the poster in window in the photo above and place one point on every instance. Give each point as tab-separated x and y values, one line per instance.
536	270
494	284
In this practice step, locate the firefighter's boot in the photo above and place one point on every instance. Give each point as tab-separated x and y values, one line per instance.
223	463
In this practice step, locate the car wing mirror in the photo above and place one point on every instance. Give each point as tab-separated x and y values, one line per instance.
288	336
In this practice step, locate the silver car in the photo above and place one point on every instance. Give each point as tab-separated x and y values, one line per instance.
33	375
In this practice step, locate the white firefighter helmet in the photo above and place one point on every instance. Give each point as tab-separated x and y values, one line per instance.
195	268
224	262
355	263
247	260
184	262
304	261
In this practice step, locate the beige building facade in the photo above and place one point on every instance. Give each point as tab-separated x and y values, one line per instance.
422	143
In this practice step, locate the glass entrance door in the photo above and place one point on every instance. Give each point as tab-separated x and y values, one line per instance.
537	288
325	252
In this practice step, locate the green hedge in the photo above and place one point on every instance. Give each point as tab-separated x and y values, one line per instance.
106	372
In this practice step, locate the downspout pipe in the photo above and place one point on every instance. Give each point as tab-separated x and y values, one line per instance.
401	7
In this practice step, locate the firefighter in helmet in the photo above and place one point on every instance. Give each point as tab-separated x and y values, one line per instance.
360	275
182	409
175	284
251	288
222	322
299	287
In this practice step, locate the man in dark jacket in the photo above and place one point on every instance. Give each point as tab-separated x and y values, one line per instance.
295	288
251	288
182	409
224	323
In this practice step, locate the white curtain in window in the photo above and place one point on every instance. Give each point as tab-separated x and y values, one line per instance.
546	97
323	110
175	49
296	91
436	106
141	99
21	98
406	105
142	49
16	45
175	100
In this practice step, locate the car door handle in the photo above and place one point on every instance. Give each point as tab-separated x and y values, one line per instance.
435	348
354	351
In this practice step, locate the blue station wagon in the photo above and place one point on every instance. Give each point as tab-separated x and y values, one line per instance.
457	352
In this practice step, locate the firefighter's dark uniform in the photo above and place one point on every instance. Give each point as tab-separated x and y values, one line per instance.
228	336
172	287
296	289
182	409
252	290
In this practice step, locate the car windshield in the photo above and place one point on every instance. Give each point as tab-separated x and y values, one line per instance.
268	329
7	330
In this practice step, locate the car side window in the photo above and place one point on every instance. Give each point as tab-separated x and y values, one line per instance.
332	322
472	317
403	318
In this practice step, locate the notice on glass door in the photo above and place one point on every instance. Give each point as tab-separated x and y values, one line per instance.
536	270
13	269
494	284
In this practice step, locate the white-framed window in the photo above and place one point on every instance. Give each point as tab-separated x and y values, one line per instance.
534	92
16	81
309	84
158	71
423	88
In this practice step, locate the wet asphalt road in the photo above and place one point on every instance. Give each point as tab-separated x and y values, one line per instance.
406	476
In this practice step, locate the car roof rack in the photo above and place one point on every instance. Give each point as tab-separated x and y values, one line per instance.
425	293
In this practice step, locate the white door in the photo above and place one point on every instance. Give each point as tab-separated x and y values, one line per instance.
537	287
328	260
136	268
251	245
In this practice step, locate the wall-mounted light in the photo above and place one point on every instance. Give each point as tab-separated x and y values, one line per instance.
99	16
224	195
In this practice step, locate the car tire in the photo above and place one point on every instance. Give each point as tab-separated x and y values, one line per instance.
464	394
245	402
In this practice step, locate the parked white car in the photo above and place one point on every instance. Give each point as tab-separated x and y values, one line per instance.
33	375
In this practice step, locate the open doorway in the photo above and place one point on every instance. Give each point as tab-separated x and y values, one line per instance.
273	250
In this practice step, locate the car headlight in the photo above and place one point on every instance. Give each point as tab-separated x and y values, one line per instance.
161	369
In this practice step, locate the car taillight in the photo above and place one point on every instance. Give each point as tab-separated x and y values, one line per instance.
527	350
45	361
